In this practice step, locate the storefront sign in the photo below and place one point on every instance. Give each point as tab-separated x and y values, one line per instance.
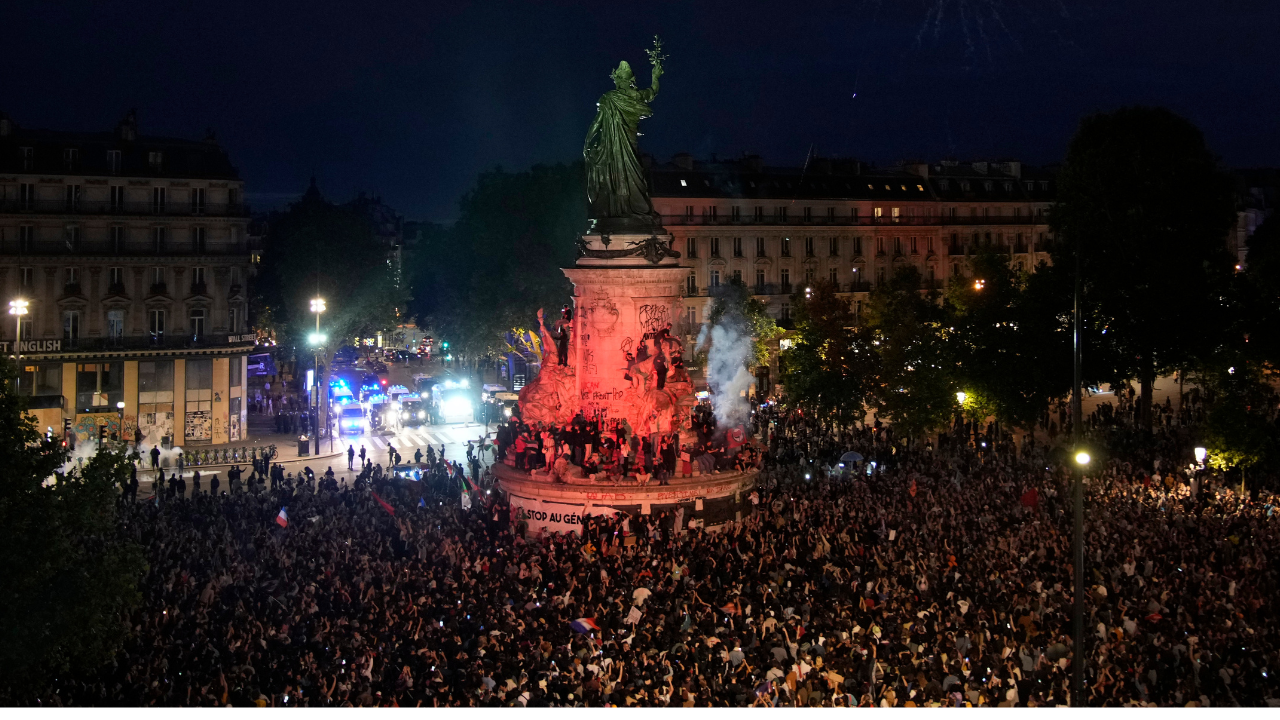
33	346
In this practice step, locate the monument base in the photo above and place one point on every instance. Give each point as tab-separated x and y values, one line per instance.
549	507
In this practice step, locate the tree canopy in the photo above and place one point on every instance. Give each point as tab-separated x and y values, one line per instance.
320	249
1010	334
829	367
1146	207
70	576
500	261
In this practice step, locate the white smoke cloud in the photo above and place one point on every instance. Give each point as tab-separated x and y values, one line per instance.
730	353
86	449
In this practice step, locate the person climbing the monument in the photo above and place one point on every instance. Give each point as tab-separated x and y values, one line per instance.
564	327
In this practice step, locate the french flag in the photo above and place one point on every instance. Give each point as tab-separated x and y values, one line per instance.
584	625
283	518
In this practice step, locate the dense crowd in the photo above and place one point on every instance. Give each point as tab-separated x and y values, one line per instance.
932	573
609	451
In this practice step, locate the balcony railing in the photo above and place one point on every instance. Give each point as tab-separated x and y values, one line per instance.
847	221
105	248
107	207
116	289
158	289
199	288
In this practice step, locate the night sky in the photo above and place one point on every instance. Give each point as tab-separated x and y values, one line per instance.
409	100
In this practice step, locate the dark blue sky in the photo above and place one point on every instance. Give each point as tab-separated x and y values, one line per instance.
411	99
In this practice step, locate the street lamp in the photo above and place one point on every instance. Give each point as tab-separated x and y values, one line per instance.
1200	456
317	339
960	397
979	284
1077	500
18	308
120	412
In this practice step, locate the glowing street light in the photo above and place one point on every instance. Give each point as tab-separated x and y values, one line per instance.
979	284
1200	455
18	308
1082	458
317	339
960	397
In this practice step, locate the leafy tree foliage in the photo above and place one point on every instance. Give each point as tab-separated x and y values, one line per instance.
69	576
492	269
1011	335
1238	431
916	386
1260	294
1143	202
828	369
320	249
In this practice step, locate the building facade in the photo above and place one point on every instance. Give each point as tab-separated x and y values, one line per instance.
133	255
840	221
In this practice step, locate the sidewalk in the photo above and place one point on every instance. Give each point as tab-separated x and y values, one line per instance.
239	453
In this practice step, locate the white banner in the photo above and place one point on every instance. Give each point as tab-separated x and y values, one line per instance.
546	518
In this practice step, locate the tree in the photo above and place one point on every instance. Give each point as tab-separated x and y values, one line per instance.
492	269
1239	430
319	249
916	386
70	575
829	368
732	302
1012	340
1260	294
1143	203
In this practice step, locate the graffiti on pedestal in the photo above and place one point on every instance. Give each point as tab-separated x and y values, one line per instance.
653	317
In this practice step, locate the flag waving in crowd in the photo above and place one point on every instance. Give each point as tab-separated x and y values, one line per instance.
584	625
283	518
385	505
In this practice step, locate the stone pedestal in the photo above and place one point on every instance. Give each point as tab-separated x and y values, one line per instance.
625	292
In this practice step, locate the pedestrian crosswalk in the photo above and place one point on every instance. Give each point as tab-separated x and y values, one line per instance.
433	435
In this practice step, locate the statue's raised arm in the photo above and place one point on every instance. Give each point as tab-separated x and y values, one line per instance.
616	187
655	61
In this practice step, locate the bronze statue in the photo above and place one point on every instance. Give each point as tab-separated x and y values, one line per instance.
616	187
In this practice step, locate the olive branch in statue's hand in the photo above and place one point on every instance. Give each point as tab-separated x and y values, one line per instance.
656	58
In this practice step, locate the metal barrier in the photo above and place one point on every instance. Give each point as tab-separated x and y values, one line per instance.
227	456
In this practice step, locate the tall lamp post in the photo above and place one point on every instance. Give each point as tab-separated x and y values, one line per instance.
317	341
1077	539
18	308
120	426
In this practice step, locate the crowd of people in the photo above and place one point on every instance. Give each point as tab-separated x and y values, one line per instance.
926	574
611	452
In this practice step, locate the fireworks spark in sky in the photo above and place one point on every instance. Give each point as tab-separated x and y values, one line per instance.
984	23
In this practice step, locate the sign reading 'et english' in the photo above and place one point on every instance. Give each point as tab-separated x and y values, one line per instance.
33	346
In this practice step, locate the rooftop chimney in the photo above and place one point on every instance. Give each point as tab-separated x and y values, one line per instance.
128	127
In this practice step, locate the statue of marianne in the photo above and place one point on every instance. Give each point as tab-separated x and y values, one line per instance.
616	187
